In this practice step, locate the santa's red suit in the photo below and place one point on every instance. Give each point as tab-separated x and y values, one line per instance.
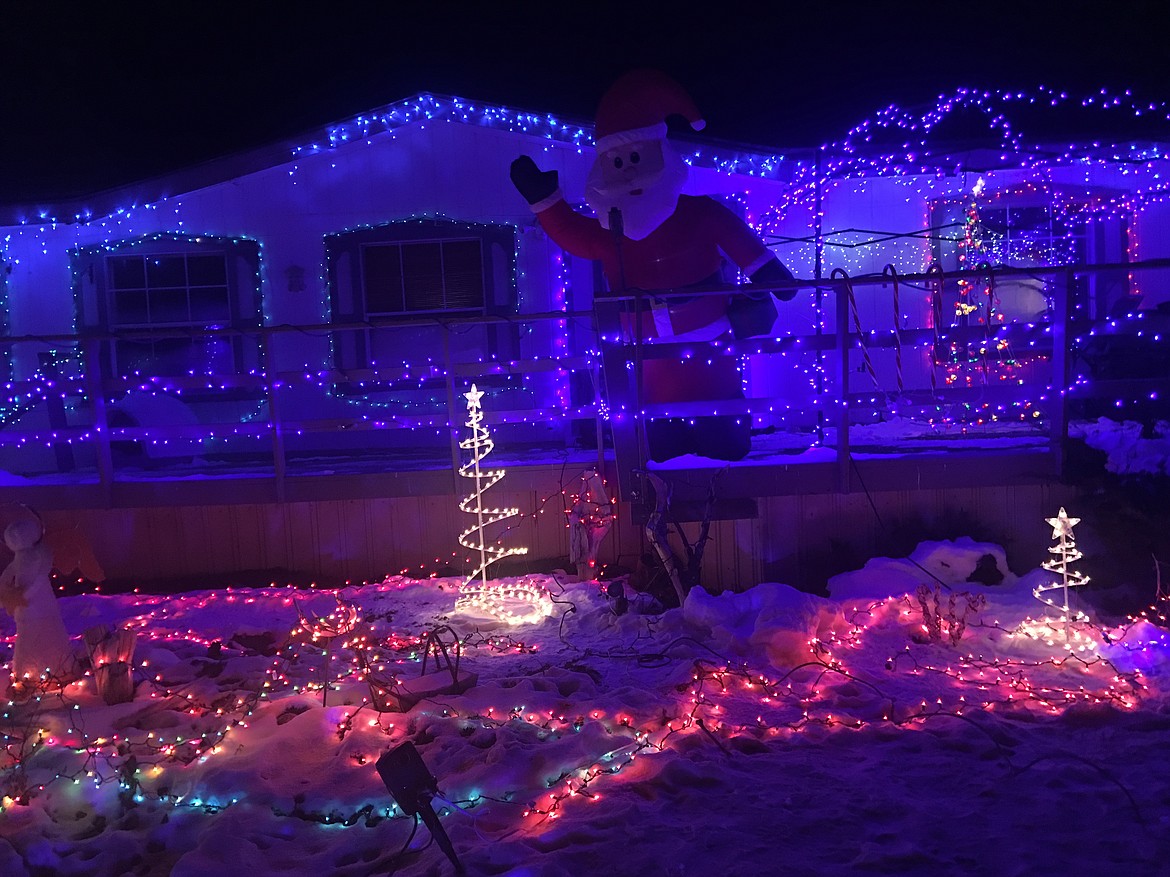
687	248
667	240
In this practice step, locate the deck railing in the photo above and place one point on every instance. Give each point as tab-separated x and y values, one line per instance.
856	367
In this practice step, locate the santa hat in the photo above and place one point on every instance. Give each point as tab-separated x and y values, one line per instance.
636	108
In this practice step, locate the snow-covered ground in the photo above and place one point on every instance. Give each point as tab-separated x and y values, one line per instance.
765	732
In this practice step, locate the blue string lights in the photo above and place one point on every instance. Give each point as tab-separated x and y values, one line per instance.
898	163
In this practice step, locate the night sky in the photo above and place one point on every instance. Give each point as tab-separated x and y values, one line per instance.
93	99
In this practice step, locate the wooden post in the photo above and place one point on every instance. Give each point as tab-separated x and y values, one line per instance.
275	423
95	387
844	343
1063	304
55	406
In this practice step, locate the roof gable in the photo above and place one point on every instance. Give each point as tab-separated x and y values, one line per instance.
385	121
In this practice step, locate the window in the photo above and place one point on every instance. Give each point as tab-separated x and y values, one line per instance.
1033	226
423	277
1026	226
1028	235
159	298
408	273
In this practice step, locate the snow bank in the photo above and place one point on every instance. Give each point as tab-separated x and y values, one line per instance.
1126	452
771	618
963	562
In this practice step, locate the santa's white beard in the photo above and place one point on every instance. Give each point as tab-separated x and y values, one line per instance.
644	212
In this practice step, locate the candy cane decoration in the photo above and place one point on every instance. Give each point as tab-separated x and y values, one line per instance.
892	272
840	272
936	287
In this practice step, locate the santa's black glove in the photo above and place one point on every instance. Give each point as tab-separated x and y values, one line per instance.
773	271
531	182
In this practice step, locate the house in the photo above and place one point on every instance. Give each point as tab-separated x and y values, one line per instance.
260	362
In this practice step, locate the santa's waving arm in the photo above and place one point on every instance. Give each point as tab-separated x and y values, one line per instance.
580	235
536	186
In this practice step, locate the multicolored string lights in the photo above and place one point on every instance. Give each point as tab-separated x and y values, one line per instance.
213	691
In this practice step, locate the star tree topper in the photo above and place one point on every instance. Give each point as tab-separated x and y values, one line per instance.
474	395
1062	525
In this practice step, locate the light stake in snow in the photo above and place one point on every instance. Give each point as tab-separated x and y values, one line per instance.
1066	553
413	786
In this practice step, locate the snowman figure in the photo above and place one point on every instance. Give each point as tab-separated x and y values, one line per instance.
42	649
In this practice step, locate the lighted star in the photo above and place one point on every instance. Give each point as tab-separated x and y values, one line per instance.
1062	525
473	397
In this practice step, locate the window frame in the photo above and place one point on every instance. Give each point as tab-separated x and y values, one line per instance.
349	302
944	236
1104	238
95	290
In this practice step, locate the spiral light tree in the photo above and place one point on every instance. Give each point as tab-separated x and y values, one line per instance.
518	603
1065	553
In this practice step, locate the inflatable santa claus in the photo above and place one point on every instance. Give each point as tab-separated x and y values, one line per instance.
649	236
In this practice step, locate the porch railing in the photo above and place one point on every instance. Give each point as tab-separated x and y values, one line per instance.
857	368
